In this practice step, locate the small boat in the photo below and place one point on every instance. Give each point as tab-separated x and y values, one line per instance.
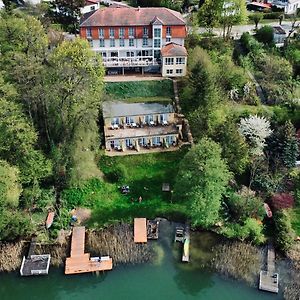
50	219
268	210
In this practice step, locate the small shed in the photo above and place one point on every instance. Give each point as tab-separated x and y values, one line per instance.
140	230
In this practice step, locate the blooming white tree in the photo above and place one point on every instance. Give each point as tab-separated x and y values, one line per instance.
255	129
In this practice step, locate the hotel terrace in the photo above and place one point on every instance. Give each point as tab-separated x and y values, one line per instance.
140	127
137	39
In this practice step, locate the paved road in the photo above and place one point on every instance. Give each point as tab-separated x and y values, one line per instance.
238	30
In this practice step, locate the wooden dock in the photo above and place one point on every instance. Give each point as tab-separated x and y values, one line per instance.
140	230
268	279
80	262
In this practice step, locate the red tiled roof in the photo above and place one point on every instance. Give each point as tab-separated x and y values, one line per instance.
130	16
259	4
91	2
173	49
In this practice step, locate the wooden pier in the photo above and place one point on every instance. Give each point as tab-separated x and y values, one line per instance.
80	262
140	230
268	279
186	245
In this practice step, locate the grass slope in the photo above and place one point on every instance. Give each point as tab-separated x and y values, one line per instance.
145	175
137	89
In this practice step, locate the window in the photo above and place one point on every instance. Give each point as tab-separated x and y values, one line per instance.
121	32
101	43
169	60
156	140
148	119
111	32
129	54
142	141
169	139
157	32
91	43
180	61
156	43
169	71
131	42
89	32
128	142
145	42
115	121
168	31
178	71
93	8
101	32
103	54
163	118
129	120
168	40
145	31
122	43
112	43
131	31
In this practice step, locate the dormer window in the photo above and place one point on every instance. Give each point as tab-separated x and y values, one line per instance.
111	32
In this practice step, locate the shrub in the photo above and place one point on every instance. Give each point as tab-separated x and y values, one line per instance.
265	35
282	200
283	229
272	15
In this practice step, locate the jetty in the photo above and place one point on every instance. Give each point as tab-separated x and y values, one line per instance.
186	245
268	279
35	264
140	230
80	262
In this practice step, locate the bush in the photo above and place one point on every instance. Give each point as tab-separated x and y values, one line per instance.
282	200
265	35
272	15
250	44
283	230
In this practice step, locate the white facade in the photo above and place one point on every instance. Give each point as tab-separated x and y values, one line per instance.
90	7
174	66
290	6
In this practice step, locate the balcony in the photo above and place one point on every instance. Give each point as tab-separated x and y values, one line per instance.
129	62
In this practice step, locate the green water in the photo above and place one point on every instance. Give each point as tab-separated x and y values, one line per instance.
167	278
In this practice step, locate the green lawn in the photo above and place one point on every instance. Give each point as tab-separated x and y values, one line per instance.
145	174
140	89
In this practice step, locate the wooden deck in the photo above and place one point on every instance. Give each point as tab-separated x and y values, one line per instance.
269	280
140	230
81	262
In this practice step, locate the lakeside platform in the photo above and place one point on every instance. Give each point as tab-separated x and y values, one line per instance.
80	262
35	264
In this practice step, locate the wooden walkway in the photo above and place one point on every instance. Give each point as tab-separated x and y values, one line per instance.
80	262
269	280
140	230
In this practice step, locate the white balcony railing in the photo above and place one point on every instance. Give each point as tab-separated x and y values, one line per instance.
129	62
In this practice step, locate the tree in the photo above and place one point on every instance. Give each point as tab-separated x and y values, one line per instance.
10	188
66	13
282	201
255	129
282	146
201	95
201	181
18	140
234	12
73	89
265	35
234	149
209	14
256	18
222	12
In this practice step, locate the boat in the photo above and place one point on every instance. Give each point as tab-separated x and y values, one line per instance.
49	220
268	210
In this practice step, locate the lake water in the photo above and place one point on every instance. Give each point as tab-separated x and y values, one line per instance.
166	278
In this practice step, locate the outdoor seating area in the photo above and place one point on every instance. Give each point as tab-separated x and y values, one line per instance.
129	62
134	125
